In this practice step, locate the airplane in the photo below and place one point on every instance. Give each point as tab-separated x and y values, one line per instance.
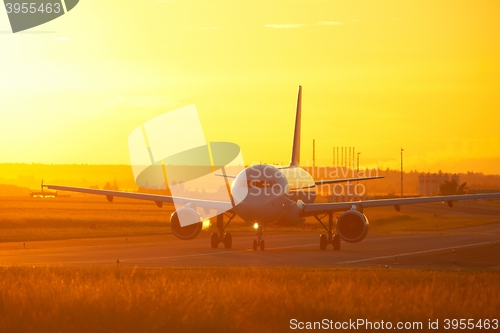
264	195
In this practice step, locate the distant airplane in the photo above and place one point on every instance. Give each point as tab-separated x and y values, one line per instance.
270	195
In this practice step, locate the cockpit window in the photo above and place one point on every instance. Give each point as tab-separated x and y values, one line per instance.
260	183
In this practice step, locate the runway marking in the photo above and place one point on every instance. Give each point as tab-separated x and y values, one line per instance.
112	261
271	249
214	253
155	258
189	255
413	253
229	252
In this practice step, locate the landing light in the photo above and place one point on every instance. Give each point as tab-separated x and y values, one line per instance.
256	226
206	224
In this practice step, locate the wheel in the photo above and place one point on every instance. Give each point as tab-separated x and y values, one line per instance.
262	245
323	242
214	240
255	245
336	242
228	241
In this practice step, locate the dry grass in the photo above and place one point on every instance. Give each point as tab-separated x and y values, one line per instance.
28	219
127	299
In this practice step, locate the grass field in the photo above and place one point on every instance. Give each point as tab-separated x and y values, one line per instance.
29	219
128	299
25	219
224	299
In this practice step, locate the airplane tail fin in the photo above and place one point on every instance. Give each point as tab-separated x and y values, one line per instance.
295	161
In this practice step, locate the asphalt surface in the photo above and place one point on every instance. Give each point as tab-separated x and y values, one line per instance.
474	247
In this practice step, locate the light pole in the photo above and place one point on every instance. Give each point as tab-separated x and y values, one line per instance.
314	153
401	171
357	168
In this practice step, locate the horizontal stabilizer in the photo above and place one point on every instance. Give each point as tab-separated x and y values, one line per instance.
343	180
222	175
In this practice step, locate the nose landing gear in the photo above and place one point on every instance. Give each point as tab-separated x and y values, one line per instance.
259	242
329	238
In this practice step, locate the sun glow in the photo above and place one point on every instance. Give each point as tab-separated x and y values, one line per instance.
393	73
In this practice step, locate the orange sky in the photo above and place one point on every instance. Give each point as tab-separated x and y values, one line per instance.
377	75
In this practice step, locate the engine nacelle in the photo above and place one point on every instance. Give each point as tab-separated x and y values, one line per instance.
190	231
352	226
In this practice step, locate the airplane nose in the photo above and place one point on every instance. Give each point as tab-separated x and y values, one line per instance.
264	187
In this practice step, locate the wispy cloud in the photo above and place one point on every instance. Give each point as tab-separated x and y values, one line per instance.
329	23
284	26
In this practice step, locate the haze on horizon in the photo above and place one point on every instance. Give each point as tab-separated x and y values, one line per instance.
422	75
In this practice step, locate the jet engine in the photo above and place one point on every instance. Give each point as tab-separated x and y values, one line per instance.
190	231
352	226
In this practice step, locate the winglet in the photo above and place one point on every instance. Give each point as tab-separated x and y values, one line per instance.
295	161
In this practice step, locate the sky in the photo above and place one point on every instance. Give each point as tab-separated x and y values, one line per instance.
376	75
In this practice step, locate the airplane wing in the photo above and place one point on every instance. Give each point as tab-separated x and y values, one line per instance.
325	208
158	199
343	180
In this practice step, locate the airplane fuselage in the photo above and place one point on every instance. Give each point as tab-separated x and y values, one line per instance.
268	195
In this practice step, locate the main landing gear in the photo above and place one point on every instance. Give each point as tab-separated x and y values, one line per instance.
259	242
221	236
329	238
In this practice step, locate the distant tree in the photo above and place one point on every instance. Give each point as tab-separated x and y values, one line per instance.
113	187
450	187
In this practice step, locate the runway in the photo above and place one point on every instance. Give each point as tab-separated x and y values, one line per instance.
474	247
